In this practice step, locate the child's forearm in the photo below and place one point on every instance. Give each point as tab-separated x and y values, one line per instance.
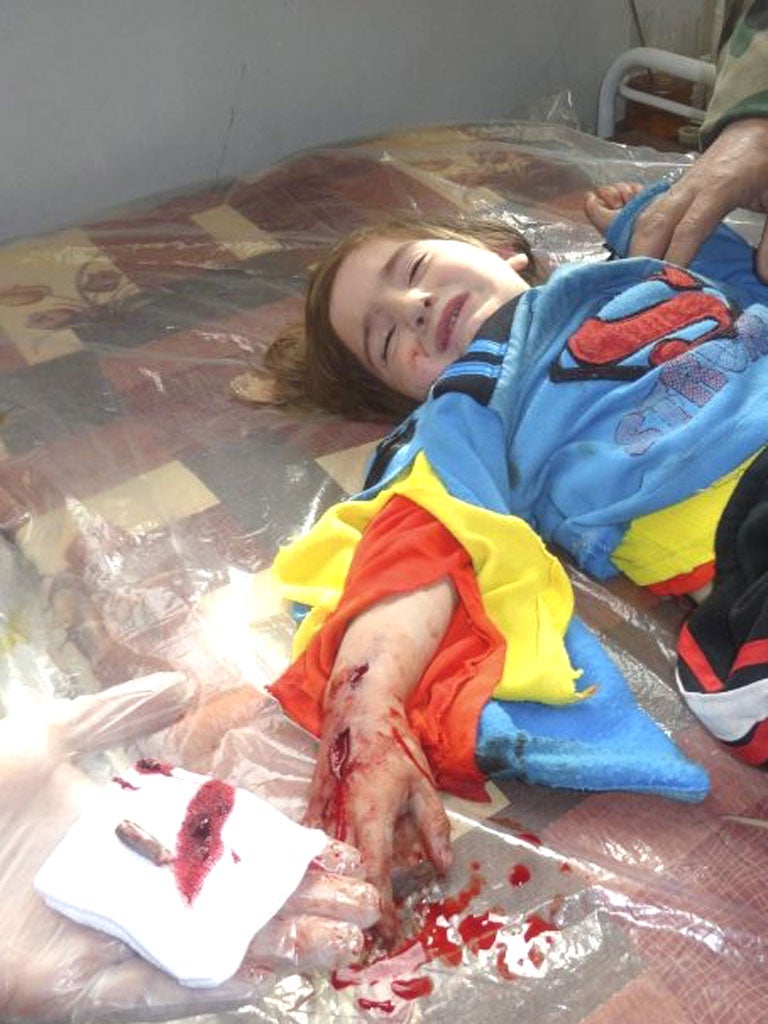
371	770
386	650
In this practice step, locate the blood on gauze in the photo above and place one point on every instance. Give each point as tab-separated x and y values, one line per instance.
151	766
199	844
124	783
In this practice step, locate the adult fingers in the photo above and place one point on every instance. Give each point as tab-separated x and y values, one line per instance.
339	859
123	713
333	896
134	989
695	226
303	943
656	224
675	225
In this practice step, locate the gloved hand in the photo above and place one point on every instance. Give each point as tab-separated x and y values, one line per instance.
53	969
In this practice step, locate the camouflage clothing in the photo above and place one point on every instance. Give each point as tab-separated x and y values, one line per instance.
741	89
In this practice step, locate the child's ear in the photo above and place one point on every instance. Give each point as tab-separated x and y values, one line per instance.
518	261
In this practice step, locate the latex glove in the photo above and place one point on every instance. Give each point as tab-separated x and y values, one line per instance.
732	173
53	969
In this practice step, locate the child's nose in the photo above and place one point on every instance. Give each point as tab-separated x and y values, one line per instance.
421	310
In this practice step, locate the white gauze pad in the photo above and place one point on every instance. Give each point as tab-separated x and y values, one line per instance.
232	862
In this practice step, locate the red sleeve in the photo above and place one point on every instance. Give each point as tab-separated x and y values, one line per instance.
402	549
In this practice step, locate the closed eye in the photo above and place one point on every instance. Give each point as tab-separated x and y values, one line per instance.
387	342
415	268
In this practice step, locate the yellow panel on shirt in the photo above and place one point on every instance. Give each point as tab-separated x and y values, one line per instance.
525	591
677	539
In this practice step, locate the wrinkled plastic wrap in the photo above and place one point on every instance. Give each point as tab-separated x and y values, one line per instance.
141	505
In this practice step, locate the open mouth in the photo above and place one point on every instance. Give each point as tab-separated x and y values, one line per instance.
451	312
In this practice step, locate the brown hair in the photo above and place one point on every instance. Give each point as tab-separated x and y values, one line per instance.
310	363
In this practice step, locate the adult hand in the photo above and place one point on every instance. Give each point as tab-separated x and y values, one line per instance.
732	173
372	787
53	969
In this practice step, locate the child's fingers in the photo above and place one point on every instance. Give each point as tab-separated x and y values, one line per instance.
609	196
374	835
433	824
628	190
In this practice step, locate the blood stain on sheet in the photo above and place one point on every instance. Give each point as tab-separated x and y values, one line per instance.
434	934
373	1004
479	931
536	956
537	926
446	933
412	988
151	766
513	825
519	875
529	837
199	844
565	866
501	964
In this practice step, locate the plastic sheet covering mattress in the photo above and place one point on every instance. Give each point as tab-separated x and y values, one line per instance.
141	505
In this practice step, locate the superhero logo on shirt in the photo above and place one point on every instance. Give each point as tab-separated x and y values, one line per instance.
664	316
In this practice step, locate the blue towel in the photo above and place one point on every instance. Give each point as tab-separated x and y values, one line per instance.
603	743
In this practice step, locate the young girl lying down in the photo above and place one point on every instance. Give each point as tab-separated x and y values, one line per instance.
617	410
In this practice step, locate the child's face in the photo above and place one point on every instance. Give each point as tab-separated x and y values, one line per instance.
407	309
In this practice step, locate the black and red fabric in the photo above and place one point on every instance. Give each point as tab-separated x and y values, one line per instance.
722	664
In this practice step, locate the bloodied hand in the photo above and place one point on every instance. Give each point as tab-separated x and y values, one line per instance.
53	969
372	785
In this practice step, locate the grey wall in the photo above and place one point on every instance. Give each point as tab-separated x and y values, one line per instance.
107	100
